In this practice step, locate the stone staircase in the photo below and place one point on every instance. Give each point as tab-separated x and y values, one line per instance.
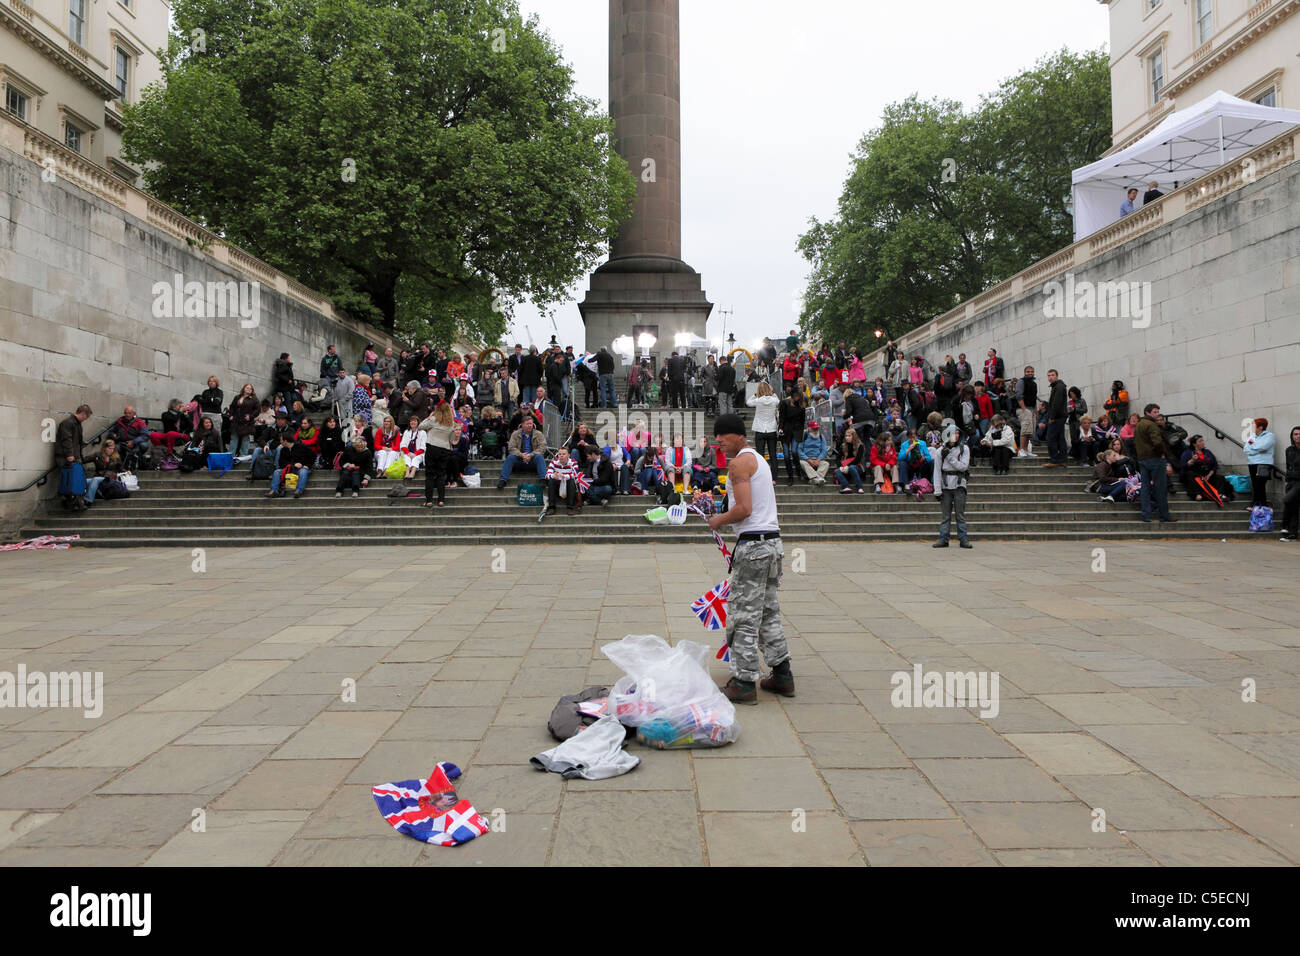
200	510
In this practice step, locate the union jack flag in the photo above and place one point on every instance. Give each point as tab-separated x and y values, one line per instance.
724	652
711	609
428	810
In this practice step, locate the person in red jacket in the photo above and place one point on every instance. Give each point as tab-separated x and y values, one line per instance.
984	407
790	371
884	462
309	435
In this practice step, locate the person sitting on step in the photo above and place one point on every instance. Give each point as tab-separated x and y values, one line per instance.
812	455
600	474
355	463
388	445
294	458
676	463
562	480
413	448
1001	443
527	447
884	463
852	456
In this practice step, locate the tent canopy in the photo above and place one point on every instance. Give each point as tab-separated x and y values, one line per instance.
1186	145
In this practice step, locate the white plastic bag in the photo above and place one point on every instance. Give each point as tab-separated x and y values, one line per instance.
677	514
472	481
668	695
129	480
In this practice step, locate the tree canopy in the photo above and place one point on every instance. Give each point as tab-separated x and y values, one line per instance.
942	203
422	162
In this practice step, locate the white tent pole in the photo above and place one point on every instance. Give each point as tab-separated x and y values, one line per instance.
1221	157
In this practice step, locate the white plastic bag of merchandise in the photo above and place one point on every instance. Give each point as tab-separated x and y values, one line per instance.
677	514
668	695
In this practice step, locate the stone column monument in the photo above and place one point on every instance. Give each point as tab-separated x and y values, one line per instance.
645	285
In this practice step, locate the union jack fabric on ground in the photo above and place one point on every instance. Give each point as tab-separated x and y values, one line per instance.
44	541
429	810
711	609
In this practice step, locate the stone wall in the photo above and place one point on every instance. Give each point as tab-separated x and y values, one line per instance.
1224	333
78	322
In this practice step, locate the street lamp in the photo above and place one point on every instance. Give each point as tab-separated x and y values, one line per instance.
623	345
879	334
1068	202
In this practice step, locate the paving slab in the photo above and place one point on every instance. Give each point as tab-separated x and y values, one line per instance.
1105	701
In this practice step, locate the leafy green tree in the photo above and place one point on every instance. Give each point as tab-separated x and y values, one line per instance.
378	150
941	204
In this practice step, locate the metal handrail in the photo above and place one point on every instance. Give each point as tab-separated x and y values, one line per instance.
91	442
1219	433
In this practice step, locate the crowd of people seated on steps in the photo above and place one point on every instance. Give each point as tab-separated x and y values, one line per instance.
818	416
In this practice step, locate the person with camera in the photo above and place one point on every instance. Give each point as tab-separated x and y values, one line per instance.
951	468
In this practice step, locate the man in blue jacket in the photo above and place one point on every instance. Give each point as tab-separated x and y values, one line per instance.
812	455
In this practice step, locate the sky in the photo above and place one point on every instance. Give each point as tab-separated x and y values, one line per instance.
775	96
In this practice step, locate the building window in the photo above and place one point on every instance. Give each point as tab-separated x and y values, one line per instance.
1152	4
72	137
16	103
121	73
1156	64
1268	97
77	21
1204	21
125	3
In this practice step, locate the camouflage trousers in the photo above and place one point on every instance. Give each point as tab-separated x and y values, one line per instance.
754	608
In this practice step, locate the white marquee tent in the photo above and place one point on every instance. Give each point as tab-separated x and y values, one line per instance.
1186	145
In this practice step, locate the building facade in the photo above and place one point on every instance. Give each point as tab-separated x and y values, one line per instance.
68	66
1169	54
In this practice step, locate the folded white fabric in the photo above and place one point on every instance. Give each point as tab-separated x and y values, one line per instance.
594	753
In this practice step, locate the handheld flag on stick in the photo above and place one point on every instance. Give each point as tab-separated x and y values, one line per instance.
711	609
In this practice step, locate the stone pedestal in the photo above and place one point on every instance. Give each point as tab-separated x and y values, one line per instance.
645	284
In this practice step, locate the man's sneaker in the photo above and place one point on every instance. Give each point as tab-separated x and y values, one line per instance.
939	544
1106	498
782	684
501	483
740	692
355	495
1286	536
339	494
966	544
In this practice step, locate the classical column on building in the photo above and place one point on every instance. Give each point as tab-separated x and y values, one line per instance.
645	284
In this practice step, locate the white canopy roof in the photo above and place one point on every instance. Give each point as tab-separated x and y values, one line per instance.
1187	144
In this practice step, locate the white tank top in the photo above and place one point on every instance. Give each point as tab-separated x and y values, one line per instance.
762	497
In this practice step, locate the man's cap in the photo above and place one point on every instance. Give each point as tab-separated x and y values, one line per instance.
813	426
729	425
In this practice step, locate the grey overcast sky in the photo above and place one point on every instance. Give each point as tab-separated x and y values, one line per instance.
776	95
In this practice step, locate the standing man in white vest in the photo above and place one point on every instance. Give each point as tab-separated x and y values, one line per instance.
753	607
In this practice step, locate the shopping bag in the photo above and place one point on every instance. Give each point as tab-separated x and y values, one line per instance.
1261	518
529	496
129	480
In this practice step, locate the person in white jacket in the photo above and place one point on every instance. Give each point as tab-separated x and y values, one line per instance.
765	403
413	445
951	466
1001	442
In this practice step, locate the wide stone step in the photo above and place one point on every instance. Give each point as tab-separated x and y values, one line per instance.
576	535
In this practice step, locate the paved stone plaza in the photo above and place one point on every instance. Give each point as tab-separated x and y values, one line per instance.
1119	690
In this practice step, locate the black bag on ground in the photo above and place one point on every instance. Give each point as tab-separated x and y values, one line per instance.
263	468
111	489
193	460
566	720
668	494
